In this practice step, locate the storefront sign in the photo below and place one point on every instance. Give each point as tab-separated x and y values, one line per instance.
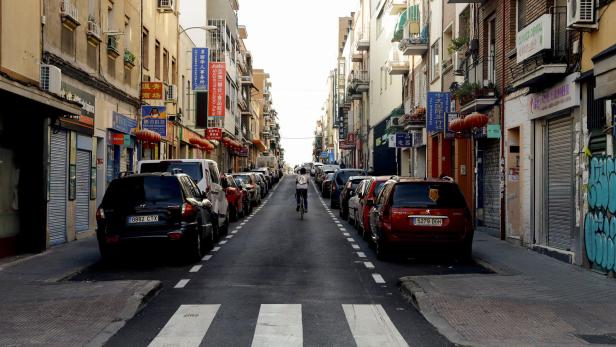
534	38
120	139
324	154
418	139
152	90
154	118
213	133
403	140
557	98
438	104
449	116
494	131
200	69
217	85
83	122
122	123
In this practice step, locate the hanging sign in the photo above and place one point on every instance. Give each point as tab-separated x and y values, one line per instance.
200	69
438	104
216	97
403	140
154	118
213	133
152	90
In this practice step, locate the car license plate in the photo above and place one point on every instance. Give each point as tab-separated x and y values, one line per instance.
427	221
142	219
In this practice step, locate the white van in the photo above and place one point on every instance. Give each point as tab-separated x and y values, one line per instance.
205	173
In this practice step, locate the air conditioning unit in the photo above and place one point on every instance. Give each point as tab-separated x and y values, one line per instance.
393	121
165	5
580	13
51	79
172	93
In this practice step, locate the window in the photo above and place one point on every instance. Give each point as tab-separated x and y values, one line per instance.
68	41
165	66
182	94
492	50
157	59
127	33
145	59
127	76
111	67
521	13
227	96
174	72
422	195
379	24
92	56
435	61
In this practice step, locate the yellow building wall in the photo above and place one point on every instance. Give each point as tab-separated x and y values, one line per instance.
596	41
20	54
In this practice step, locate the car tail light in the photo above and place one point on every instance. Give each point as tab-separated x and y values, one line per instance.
112	238
188	210
100	214
174	235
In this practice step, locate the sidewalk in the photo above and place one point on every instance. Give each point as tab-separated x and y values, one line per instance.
532	300
38	308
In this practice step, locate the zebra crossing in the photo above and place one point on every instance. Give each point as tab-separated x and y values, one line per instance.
280	325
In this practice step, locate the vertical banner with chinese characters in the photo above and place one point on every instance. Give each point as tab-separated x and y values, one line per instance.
154	118
200	69
438	104
217	80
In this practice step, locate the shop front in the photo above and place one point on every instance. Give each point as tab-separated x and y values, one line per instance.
121	146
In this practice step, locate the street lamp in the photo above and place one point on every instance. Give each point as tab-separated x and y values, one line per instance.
205	27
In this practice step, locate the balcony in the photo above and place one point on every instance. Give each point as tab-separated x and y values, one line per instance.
69	14
415	42
415	120
357	57
129	59
473	97
549	64
94	32
397	64
396	6
112	47
247	80
363	44
360	81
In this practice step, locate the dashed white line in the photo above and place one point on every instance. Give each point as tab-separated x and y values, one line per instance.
346	234
355	246
342	229
378	278
215	249
350	239
182	283
229	236
207	257
195	268
361	254
368	265
222	242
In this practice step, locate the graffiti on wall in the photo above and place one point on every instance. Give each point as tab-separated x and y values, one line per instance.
600	221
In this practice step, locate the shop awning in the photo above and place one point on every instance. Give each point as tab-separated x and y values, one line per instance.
399	30
260	145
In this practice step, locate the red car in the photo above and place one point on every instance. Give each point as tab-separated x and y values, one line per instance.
413	213
371	191
235	197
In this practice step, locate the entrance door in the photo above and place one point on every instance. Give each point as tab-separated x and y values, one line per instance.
82	197
559	183
56	214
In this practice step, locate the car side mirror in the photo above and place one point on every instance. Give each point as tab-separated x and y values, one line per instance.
370	202
206	203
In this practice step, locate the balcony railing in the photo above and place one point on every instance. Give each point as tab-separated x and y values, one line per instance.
94	32
363	43
129	59
360	81
69	14
415	42
547	64
112	47
397	64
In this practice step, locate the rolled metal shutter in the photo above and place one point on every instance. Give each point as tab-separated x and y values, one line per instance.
559	187
56	214
491	184
82	199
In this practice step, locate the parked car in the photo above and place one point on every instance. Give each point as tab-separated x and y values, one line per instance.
354	202
246	203
263	183
205	173
157	206
234	196
327	185
340	178
370	192
267	174
248	181
315	168
413	213
322	171
347	193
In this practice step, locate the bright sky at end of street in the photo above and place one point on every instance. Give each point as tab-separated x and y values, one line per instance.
296	43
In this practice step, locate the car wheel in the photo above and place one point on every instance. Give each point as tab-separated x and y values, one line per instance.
382	252
225	228
194	251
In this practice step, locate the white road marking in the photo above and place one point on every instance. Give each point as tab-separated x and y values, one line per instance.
371	326
222	242
369	265
279	325
229	236
350	239
378	278
343	229
187	326
215	249
361	254
235	231
207	257
182	283
346	234
355	246
196	268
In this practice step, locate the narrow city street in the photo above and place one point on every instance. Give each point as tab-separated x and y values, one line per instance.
275	280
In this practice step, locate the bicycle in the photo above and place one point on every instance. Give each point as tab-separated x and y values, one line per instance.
301	207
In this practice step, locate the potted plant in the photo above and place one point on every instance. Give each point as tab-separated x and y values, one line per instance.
457	44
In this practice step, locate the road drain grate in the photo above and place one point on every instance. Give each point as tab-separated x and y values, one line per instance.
606	339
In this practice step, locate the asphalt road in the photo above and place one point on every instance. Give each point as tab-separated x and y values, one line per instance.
276	280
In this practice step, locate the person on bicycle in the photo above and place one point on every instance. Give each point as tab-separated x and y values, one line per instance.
301	189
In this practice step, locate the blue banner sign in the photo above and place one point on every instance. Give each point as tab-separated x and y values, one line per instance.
324	154
200	69
438	104
403	140
122	123
154	118
449	116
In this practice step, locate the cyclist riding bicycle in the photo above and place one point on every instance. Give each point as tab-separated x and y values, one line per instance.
301	189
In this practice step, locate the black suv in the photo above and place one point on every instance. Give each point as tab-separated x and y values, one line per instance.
157	206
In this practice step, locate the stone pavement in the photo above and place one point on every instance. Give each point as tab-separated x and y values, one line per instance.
38	308
531	300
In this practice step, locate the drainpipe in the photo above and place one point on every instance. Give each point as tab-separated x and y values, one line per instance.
503	234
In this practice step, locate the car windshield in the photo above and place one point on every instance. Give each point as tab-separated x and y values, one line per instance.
330	176
192	169
343	176
245	179
428	195
329	168
132	191
378	187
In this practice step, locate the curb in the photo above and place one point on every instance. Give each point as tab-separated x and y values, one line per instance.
415	295
138	301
